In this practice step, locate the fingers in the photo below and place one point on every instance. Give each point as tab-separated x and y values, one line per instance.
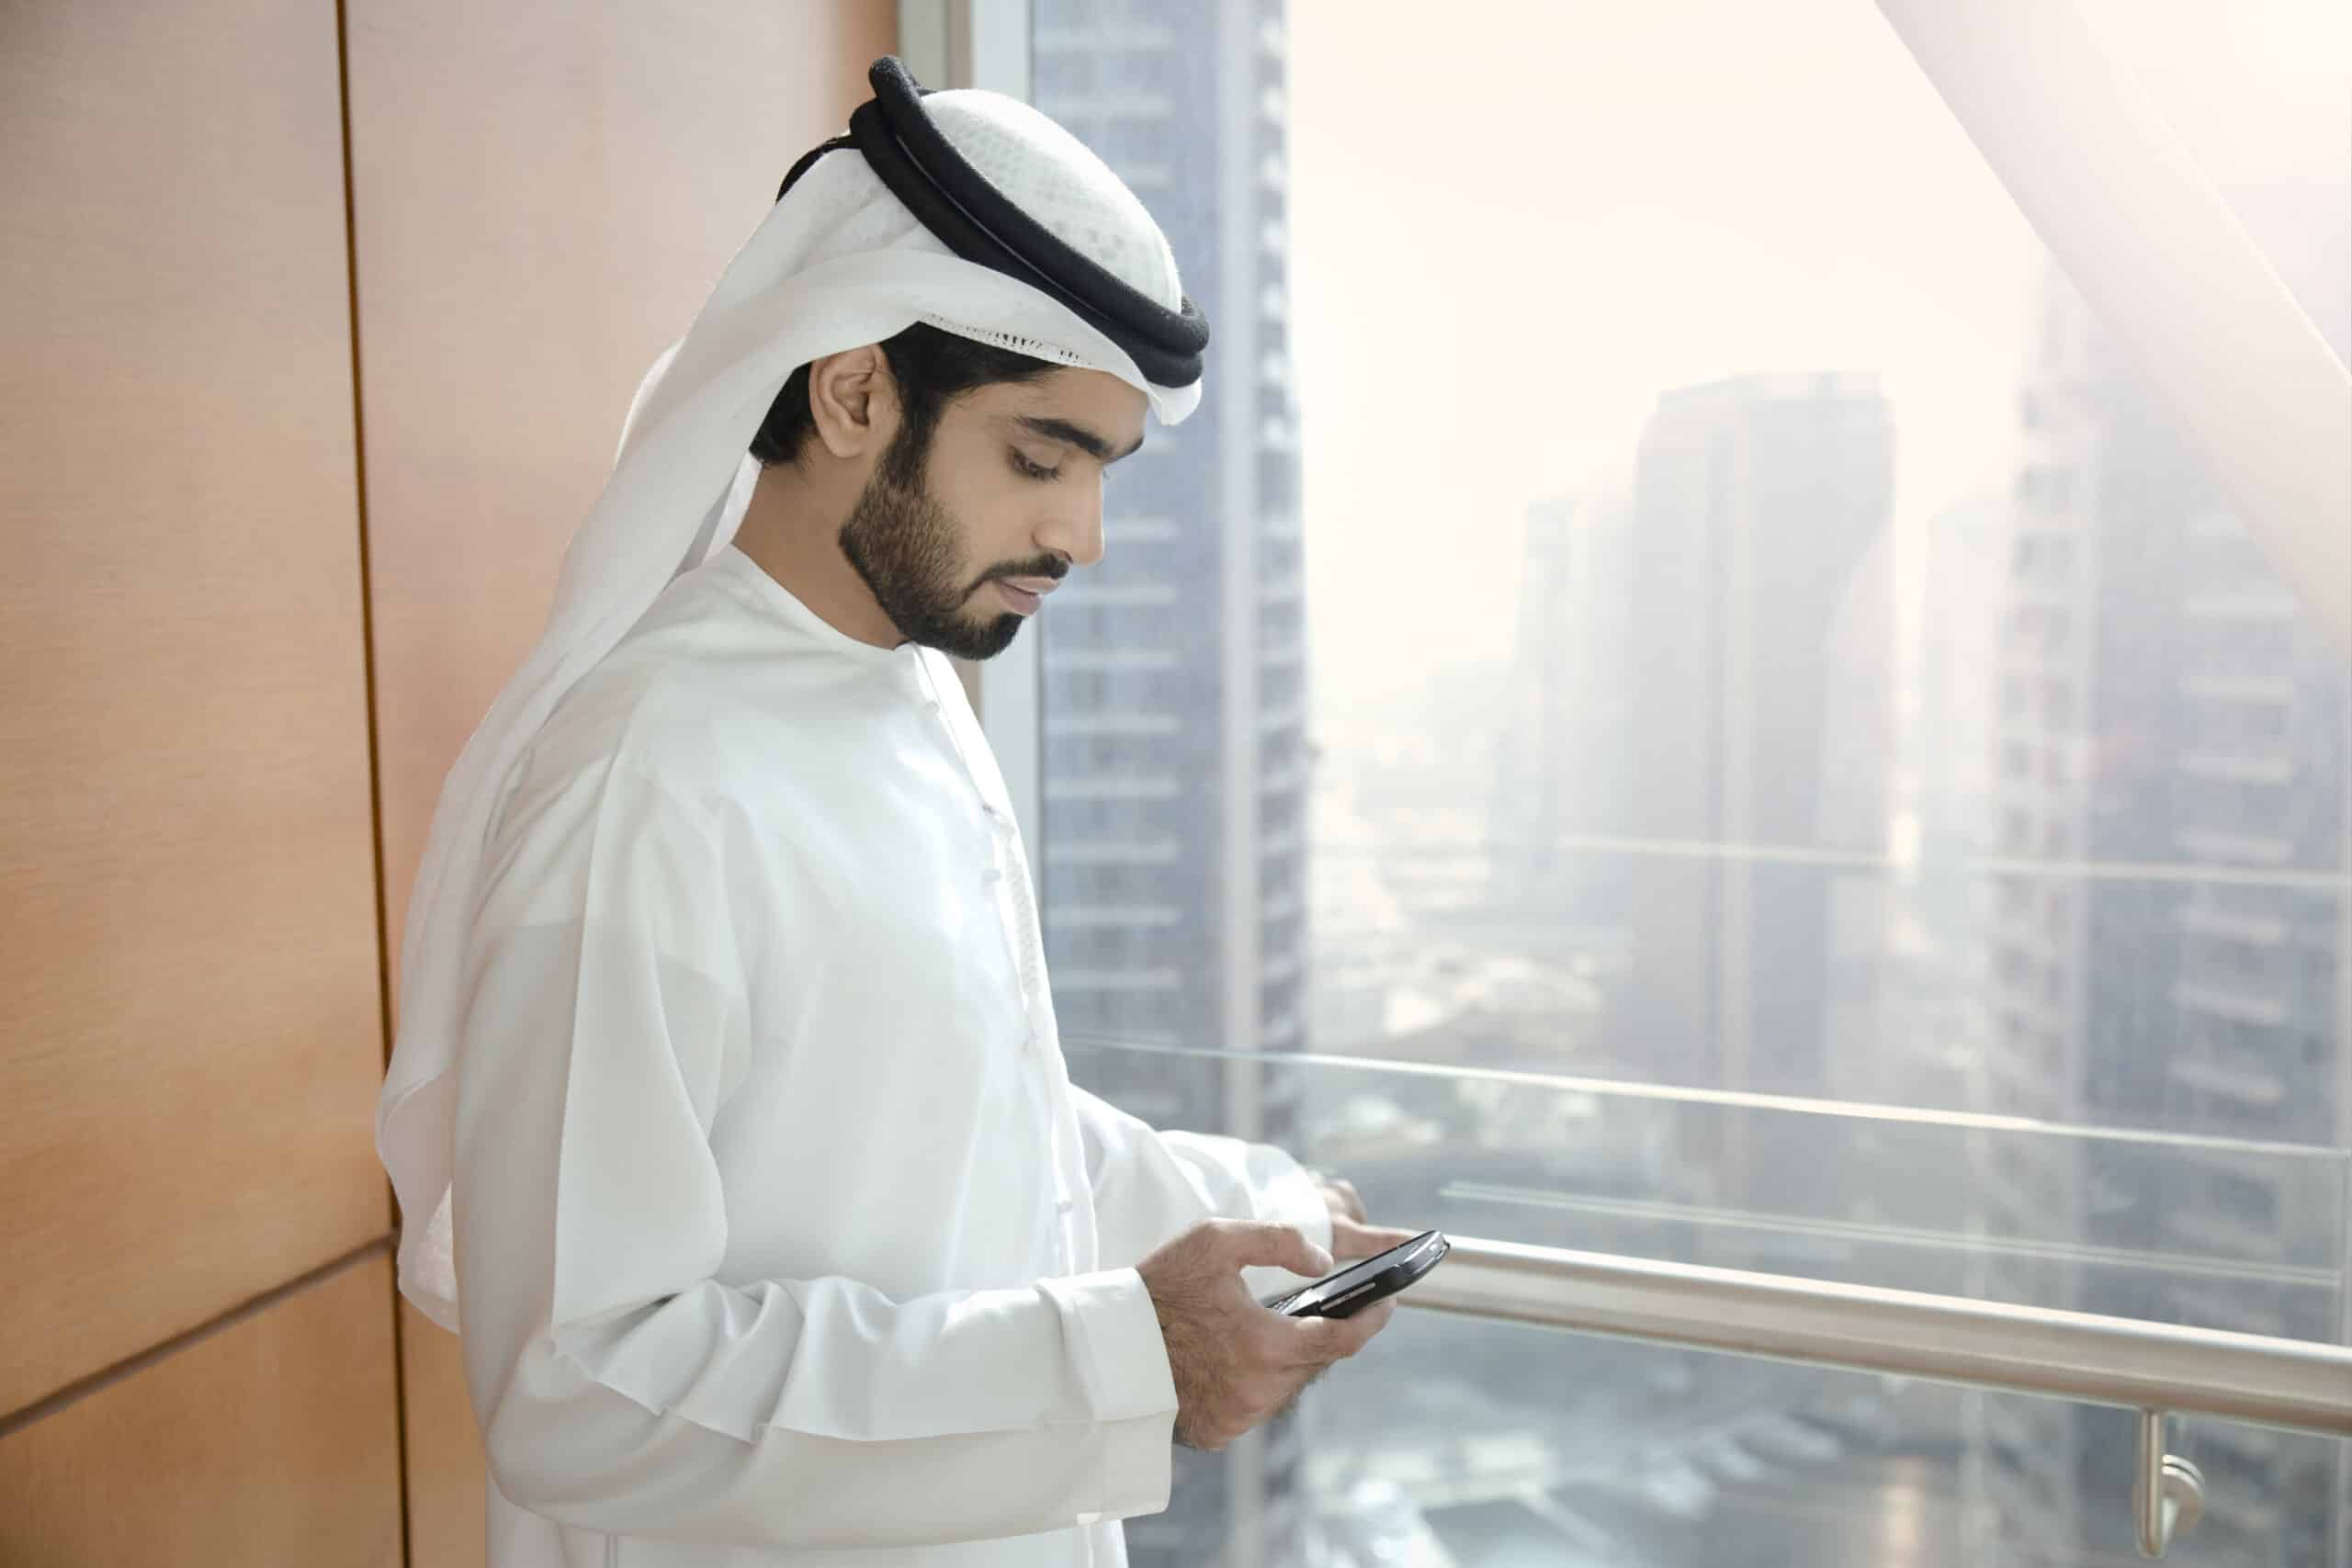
1349	1240
1234	1363
1256	1243
1323	1340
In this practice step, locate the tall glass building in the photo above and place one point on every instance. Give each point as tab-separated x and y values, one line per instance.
1174	712
1758	505
2164	704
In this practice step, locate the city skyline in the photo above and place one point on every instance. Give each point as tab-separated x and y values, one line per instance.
1733	504
2081	662
1708	210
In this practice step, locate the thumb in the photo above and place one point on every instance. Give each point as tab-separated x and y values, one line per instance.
1267	1244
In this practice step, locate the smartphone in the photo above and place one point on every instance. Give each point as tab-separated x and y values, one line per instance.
1363	1283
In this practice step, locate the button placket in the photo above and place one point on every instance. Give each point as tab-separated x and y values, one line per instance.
1010	900
1015	911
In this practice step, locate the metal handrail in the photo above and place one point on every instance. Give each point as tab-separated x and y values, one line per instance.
2302	1385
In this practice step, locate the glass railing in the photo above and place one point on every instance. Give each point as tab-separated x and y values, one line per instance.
1469	1441
1460	1443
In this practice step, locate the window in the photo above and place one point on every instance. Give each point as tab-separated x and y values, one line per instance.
1812	665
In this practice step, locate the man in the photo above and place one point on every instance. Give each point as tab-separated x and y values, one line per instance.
728	1082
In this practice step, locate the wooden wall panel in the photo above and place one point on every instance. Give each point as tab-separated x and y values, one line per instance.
273	1442
191	1037
448	1505
543	195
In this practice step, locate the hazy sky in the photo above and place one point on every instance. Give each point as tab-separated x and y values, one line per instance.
1509	240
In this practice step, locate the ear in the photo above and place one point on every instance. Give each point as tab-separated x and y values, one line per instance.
854	401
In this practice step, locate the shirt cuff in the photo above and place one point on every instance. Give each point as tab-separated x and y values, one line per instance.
1114	1331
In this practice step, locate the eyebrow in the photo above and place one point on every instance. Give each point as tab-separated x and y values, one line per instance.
1076	435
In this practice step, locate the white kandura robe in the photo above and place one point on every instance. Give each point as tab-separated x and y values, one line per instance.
782	1235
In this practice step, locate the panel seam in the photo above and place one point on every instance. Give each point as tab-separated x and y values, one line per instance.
375	750
107	1377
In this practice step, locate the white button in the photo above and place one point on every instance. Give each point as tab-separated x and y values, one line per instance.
1063	1205
992	873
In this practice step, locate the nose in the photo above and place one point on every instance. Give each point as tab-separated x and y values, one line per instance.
1074	528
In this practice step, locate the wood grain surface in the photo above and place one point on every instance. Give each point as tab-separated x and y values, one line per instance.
192	1034
271	1444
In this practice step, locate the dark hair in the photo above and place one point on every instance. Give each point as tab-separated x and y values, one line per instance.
931	368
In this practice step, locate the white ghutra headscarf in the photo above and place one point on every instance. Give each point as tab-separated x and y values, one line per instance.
840	261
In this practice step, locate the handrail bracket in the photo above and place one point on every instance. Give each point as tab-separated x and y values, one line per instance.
2169	1496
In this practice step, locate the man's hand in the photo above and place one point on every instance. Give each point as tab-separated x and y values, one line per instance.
1236	1363
1351	1237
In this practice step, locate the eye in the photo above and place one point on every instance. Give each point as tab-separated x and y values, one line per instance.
1027	469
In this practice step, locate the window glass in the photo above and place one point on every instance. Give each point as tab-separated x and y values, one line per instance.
1679	697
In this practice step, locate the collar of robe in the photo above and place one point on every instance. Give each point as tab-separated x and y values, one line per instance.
980	223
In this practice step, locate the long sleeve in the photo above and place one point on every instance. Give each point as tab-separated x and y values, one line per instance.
621	1384
1149	1186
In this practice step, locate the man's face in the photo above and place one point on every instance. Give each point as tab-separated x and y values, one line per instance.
962	535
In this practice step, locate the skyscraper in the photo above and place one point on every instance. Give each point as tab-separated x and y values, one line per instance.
2164	704
1175	770
1757	502
1561	773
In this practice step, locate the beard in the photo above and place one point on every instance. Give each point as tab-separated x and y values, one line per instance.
908	548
